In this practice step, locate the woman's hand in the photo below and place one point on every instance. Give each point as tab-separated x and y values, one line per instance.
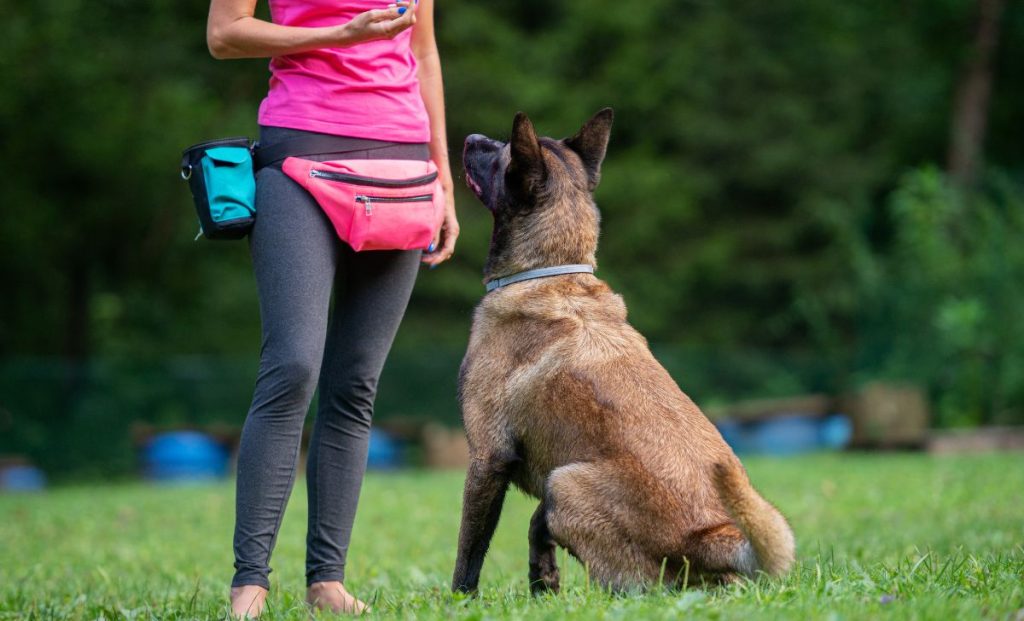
444	244
378	24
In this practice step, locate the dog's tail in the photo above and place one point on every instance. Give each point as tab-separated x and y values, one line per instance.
765	528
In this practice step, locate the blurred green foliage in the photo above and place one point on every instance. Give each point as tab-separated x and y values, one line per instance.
943	308
771	210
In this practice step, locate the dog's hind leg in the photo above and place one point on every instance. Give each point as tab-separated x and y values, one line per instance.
543	565
585	518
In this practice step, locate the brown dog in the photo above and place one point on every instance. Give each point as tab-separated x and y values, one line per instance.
562	397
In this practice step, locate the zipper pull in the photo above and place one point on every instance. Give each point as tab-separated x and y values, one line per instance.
199	234
366	203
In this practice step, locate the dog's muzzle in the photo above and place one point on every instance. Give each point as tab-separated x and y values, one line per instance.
479	156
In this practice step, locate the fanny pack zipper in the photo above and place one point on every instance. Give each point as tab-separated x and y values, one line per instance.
368	201
371	181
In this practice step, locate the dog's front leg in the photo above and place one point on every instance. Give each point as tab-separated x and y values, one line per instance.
487	481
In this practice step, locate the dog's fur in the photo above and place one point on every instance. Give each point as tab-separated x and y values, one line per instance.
562	397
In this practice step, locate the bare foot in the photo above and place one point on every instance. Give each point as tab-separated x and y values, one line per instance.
333	597
247	601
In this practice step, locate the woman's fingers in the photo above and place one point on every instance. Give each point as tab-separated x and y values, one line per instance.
449	234
404	6
434	244
448	245
384	23
380	15
391	13
403	11
396	18
440	248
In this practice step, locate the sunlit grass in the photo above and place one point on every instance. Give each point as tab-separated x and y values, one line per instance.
895	537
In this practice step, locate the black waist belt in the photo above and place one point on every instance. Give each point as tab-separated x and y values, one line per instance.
320	144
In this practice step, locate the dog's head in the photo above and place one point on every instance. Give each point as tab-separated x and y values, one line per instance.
540	192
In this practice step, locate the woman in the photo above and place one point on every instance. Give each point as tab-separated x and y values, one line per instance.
369	76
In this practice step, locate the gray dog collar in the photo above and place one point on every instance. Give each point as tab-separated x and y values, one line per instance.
541	272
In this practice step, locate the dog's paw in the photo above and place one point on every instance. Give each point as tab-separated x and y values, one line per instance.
544	582
464	589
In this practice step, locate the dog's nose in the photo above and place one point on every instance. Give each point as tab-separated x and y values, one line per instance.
479	140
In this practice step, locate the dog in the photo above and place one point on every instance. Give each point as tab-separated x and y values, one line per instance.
563	398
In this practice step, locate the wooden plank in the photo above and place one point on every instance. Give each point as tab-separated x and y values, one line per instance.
982	440
761	409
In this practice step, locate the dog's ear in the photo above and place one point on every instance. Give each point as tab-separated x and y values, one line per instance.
591	143
526	171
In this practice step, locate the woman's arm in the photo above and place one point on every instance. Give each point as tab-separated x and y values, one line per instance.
233	32
424	47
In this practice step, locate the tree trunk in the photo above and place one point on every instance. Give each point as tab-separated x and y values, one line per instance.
970	111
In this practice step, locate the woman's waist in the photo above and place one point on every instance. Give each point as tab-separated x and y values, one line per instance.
332	146
364	115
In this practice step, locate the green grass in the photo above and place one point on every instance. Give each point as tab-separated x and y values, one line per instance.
892	537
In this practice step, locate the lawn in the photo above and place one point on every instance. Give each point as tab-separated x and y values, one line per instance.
892	537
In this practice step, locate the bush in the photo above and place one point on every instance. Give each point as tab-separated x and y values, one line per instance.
942	307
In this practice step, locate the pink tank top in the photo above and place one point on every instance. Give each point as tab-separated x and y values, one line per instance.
368	90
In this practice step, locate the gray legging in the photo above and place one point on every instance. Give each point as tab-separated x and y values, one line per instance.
297	258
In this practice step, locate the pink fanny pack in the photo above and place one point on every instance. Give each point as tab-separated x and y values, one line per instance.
375	204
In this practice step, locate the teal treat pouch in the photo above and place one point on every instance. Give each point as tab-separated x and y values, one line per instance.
220	176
